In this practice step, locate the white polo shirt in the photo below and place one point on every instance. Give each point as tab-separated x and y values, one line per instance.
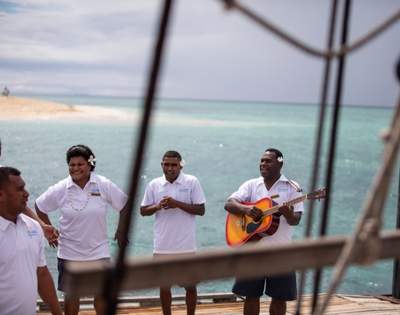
174	229
255	189
21	253
83	215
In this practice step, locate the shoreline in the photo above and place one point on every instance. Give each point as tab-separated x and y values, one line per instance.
19	108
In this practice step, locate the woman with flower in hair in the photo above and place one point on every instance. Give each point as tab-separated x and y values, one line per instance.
82	199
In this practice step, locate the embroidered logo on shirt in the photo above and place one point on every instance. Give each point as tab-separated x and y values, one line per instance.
32	233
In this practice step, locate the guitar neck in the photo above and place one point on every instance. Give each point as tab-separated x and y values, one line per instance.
289	203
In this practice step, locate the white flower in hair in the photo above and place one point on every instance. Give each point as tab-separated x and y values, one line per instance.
182	163
92	160
280	159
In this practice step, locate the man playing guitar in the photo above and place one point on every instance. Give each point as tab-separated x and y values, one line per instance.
276	186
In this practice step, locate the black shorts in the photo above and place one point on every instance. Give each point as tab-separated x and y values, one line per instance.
61	267
282	287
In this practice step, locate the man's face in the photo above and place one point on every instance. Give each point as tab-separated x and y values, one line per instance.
13	195
171	167
270	168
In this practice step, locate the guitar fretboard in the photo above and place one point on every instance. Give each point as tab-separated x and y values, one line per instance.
292	202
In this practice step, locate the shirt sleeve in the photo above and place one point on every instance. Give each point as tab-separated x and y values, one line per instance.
50	200
148	198
298	207
198	196
115	196
42	257
243	194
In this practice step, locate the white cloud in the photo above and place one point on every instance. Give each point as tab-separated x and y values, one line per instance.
72	46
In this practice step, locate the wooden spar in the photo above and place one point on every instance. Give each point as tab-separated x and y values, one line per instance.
247	261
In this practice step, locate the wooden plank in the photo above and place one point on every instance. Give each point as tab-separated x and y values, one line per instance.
246	261
340	304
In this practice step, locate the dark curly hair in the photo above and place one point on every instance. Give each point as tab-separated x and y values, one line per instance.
83	151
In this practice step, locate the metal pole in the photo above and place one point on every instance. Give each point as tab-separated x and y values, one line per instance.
396	264
332	148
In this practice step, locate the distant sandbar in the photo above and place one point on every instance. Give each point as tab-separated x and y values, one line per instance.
18	108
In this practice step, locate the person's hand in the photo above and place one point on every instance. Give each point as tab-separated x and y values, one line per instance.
286	210
168	203
120	238
51	234
254	213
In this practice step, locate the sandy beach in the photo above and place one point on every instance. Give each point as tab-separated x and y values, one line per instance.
18	108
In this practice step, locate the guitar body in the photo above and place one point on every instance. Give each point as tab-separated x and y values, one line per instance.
240	229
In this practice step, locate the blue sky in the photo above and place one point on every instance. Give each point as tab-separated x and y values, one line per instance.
104	48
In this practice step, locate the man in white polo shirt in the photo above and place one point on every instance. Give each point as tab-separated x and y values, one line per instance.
23	270
175	199
274	185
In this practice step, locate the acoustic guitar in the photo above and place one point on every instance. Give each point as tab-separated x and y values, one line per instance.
240	229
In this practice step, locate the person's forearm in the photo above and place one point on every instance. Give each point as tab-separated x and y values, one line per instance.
294	218
47	290
191	208
43	216
235	207
122	217
32	214
149	210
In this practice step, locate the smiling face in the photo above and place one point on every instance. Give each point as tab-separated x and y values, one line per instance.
13	197
171	167
79	169
270	167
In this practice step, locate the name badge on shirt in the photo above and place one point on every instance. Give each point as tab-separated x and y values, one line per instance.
95	192
184	190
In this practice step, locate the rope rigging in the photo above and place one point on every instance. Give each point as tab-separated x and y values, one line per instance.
114	277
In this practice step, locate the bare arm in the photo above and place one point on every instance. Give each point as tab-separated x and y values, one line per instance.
53	238
196	209
120	233
150	210
234	206
30	213
292	218
47	290
49	231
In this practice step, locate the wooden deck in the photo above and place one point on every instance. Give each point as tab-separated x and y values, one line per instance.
228	304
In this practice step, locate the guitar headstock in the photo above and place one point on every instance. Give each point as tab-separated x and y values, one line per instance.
318	194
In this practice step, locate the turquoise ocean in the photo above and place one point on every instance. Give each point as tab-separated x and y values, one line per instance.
221	142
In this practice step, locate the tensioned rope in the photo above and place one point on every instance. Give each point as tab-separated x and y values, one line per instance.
230	4
114	277
306	47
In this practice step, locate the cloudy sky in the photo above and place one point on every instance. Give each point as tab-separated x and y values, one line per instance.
104	48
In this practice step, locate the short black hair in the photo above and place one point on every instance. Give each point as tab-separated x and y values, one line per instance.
83	151
5	172
278	154
172	154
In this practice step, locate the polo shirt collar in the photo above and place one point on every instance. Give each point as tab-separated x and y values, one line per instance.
281	179
4	223
71	183
179	180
